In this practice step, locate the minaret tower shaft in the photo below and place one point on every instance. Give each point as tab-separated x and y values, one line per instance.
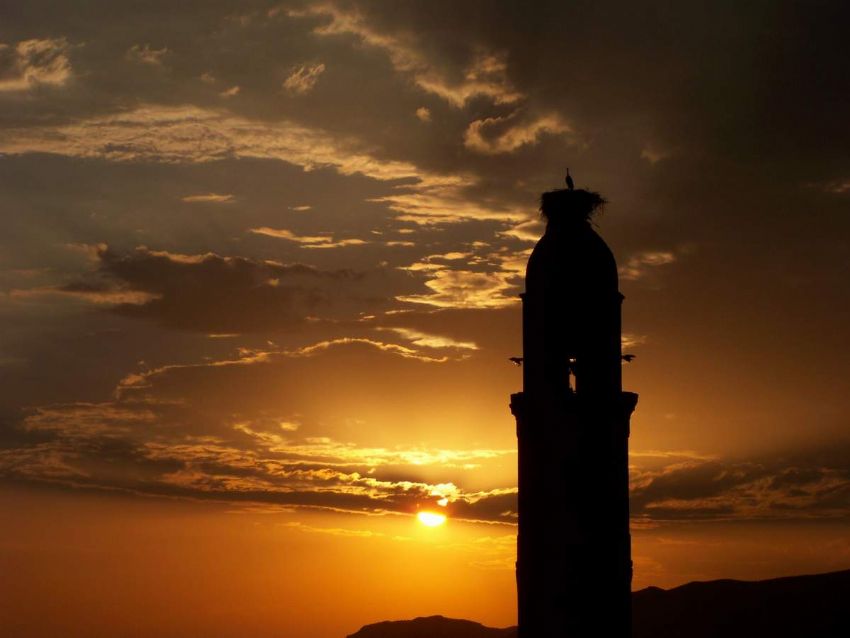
574	565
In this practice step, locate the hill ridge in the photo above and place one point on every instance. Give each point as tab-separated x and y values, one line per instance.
811	605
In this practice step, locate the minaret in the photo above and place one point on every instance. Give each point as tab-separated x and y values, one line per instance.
574	565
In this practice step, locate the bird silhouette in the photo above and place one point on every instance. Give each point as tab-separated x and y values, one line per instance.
628	357
570	184
517	361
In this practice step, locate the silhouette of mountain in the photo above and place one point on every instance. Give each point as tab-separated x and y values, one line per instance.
432	627
811	606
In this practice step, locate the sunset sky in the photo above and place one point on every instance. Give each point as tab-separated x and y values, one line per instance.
259	277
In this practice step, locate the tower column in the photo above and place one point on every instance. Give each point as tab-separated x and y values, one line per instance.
574	565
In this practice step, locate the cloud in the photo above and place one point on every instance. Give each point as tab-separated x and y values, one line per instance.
497	135
145	54
653	154
402	351
231	92
89	292
486	278
837	186
282	233
156	440
466	289
86	420
337	531
189	135
212	293
33	63
449	256
424	114
497	505
209	198
461	325
531	230
446	200
426	340
638	265
303	78
145	442
340	243
437	261
805	484
308	241
630	340
484	76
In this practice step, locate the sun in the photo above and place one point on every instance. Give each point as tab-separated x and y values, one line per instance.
431	519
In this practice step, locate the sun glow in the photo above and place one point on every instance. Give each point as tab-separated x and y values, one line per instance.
431	519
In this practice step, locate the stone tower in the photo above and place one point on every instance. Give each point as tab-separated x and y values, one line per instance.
574	566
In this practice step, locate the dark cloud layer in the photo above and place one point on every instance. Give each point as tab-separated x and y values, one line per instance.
222	294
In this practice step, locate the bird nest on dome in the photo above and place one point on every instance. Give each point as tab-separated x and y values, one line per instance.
566	205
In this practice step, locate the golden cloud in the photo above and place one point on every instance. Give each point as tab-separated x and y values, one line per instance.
510	135
638	265
466	289
303	78
485	75
310	241
189	134
145	54
209	198
33	63
426	340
